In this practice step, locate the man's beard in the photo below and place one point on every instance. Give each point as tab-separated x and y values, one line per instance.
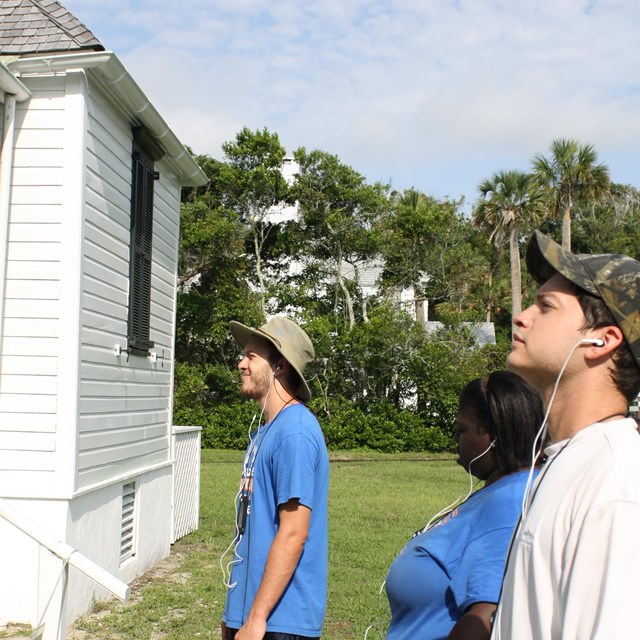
258	386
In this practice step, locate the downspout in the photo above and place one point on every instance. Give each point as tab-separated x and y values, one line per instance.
11	91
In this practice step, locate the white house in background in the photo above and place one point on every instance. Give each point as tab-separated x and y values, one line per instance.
90	183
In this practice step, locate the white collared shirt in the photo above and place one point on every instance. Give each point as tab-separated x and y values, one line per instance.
574	566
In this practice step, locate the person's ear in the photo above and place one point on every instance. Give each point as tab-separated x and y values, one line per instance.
610	338
281	365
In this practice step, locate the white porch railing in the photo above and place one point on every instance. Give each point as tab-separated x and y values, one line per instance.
186	481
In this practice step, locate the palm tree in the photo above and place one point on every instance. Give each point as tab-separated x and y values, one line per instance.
415	201
570	174
508	201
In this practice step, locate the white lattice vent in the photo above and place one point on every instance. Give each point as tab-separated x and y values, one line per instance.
127	531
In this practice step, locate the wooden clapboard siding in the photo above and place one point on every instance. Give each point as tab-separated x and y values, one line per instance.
102	421
30	340
124	404
98	442
30	251
26	461
117	417
26	271
17	383
24	366
30	441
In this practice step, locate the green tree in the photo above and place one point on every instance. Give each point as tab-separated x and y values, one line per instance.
445	361
570	175
424	243
212	273
252	185
336	228
380	379
213	288
612	225
509	202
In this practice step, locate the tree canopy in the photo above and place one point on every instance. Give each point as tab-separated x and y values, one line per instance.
366	271
509	204
570	176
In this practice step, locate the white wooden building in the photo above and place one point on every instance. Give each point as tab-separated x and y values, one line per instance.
90	183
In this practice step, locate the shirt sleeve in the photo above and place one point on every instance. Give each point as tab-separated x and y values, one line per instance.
478	577
295	470
600	584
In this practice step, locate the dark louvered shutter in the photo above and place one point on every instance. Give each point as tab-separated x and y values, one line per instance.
141	235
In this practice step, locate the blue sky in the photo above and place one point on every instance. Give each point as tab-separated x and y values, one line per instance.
431	94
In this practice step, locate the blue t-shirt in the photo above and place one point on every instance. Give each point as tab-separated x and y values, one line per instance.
455	564
290	461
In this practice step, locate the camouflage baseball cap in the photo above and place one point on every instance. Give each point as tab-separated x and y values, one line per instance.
613	277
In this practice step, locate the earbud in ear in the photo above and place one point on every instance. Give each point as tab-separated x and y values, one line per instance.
596	342
493	443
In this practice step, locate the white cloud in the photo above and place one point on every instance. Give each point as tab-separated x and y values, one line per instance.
412	90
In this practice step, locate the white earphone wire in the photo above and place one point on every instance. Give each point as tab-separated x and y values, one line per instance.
247	472
542	434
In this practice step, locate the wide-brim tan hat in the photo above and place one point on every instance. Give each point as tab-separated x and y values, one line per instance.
288	338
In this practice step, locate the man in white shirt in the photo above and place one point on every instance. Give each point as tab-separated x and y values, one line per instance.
574	565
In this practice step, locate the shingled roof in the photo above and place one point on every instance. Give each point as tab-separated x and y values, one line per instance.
42	26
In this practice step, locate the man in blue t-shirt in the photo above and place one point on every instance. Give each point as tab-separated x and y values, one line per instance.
277	589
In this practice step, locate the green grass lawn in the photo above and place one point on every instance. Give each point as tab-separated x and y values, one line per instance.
376	502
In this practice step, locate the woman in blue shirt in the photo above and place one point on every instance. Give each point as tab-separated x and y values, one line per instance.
446	581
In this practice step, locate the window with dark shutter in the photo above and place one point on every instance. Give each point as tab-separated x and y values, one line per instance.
143	176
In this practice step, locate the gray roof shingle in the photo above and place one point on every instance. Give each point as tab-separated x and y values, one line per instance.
42	26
